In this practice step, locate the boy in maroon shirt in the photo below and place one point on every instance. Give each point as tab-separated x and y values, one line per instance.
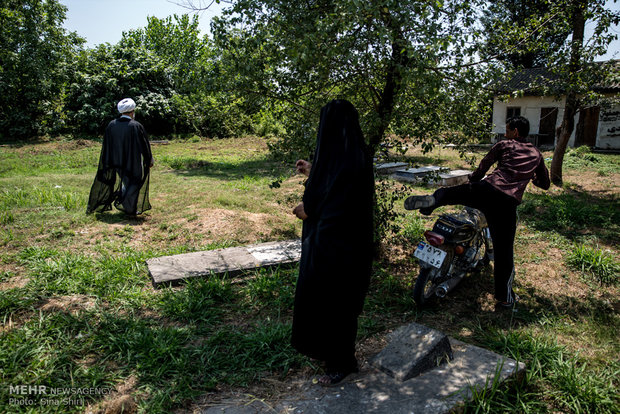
497	196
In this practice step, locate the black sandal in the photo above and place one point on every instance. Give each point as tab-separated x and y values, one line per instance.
332	378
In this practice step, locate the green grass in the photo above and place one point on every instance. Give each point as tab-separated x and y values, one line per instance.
78	308
582	157
594	262
570	211
566	380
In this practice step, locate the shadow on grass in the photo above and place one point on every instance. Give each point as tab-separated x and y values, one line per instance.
118	217
228	171
602	311
467	309
573	214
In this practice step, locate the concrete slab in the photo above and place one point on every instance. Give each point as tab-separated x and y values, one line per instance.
389	167
175	269
454	177
413	175
412	350
436	391
444	176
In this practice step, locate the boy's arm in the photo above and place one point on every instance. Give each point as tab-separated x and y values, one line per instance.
486	163
541	178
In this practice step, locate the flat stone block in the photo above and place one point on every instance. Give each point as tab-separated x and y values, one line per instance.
443	178
412	350
454	177
276	252
438	391
420	171
411	175
175	269
388	167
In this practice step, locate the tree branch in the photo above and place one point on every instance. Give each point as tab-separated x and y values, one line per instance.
198	5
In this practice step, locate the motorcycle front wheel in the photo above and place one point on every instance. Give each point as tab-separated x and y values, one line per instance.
424	289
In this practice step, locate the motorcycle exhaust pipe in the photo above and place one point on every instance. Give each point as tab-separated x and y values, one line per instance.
443	289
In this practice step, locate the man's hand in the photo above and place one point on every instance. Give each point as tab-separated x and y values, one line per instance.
300	212
303	167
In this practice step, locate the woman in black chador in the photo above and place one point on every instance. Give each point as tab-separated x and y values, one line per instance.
123	174
337	242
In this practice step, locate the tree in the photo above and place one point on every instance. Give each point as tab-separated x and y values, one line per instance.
407	66
35	52
572	73
572	104
108	73
176	40
199	105
577	76
518	32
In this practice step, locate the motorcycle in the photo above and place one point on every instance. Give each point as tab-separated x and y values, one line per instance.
459	243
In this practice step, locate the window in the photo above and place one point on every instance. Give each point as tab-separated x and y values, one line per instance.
512	111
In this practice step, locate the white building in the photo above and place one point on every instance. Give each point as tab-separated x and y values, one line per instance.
596	126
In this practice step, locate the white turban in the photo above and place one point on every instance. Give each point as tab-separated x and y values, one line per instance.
126	105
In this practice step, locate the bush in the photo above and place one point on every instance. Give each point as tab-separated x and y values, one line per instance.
266	125
107	74
413	228
596	262
582	154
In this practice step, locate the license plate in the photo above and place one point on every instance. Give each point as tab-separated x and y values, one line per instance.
429	254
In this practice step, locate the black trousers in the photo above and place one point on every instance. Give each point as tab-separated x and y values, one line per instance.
129	195
500	211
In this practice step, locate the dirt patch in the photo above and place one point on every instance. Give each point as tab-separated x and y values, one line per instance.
71	303
15	320
44	148
120	401
198	226
595	184
220	224
16	281
76	144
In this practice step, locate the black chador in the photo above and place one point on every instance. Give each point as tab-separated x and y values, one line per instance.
337	241
123	173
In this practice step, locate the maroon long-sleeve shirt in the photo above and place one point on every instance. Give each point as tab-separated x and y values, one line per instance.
518	162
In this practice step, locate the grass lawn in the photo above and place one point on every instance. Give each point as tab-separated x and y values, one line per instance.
78	309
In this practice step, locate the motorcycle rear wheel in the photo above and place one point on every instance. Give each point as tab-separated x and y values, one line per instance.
424	289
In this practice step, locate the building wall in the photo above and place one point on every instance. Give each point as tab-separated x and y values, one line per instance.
530	108
608	134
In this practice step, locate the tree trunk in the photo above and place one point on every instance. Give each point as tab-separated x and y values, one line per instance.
385	107
392	86
572	103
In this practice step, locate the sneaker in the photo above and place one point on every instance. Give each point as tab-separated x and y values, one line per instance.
507	305
418	202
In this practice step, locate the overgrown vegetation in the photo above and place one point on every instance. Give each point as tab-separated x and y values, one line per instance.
267	68
594	262
78	309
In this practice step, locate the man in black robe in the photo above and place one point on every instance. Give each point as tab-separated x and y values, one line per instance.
124	166
337	243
